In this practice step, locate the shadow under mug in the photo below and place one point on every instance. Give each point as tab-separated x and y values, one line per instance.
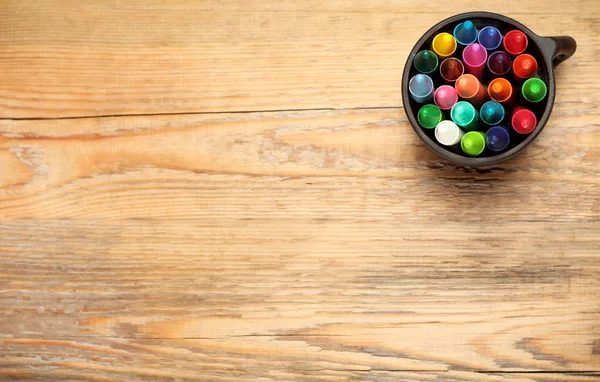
549	51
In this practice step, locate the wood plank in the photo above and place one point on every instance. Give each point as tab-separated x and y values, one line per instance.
81	58
89	372
366	163
332	295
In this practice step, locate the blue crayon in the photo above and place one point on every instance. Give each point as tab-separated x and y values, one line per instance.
465	33
497	138
492	113
490	38
421	88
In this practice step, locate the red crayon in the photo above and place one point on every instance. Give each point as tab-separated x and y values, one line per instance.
525	66
523	120
515	42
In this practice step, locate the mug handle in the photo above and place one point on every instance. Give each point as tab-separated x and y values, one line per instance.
565	47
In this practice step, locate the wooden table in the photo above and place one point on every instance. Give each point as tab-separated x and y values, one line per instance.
229	190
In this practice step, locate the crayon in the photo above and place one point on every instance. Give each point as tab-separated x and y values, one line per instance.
443	45
501	90
425	61
429	116
497	138
475	58
448	134
465	33
469	88
492	113
499	63
421	88
490	38
515	42
534	90
451	68
473	143
523	120
465	115
524	66
445	97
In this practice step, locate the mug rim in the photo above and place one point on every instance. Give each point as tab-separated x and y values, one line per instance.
479	161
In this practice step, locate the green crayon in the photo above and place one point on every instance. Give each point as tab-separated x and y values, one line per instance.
534	90
426	62
429	116
473	143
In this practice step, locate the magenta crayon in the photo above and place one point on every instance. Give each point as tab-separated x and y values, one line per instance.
445	97
499	63
515	42
451	68
469	88
475	58
523	120
525	66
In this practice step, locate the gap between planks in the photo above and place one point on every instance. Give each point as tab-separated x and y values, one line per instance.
203	113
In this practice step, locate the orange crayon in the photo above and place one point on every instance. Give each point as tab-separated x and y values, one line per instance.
469	88
500	90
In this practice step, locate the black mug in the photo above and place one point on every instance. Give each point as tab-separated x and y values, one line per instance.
549	51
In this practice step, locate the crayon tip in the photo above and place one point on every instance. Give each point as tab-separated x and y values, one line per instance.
490	38
425	61
492	113
464	115
527	64
444	45
497	87
465	33
421	88
497	138
526	125
534	90
429	116
499	63
515	42
523	121
473	143
447	133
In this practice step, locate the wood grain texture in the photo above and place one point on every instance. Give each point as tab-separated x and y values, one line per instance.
89	57
242	239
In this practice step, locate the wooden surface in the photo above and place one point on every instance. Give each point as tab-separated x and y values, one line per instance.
230	190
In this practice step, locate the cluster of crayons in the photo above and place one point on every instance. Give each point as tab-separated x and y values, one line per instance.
477	112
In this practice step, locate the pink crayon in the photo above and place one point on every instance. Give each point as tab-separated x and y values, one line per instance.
445	97
475	57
